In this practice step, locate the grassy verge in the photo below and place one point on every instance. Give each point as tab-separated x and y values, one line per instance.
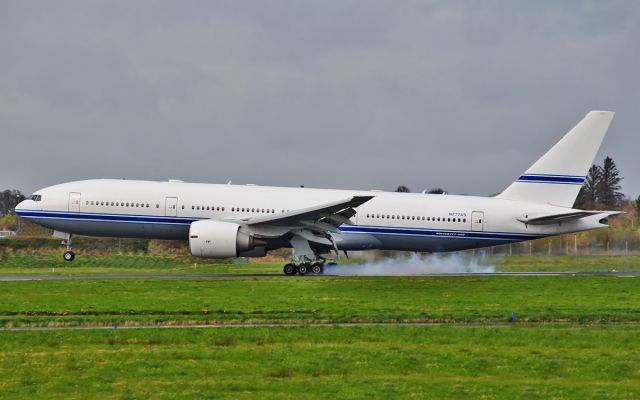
28	263
51	263
320	299
592	263
324	362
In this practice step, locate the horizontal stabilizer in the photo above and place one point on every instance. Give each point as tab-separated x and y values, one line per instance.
549	219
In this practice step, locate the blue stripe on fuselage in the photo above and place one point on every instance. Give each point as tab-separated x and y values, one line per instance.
452	234
141	219
347	229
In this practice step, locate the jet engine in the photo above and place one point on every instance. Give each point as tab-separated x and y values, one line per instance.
219	239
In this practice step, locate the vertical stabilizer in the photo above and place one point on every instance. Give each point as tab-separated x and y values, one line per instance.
556	178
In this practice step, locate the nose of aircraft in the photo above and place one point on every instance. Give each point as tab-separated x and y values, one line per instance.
21	206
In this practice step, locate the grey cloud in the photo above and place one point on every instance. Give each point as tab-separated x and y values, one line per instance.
345	94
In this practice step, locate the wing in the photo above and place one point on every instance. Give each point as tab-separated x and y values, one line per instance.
316	224
334	214
326	216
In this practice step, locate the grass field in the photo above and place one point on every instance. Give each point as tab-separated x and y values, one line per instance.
321	299
575	336
324	362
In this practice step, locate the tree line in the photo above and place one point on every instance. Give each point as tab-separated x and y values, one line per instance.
9	199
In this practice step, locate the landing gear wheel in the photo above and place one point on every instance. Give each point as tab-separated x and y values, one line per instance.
316	268
303	268
69	255
290	269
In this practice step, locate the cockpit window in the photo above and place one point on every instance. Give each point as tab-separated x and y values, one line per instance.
35	197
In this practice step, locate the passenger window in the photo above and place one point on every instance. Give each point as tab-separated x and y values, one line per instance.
157	205
193	207
464	220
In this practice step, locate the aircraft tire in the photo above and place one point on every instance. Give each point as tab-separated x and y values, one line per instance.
303	269
289	269
69	255
316	268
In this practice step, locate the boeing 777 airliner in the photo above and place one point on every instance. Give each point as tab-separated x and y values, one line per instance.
222	221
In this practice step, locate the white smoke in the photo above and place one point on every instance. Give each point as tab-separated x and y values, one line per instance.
414	265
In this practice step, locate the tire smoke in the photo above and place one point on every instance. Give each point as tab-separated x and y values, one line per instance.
431	264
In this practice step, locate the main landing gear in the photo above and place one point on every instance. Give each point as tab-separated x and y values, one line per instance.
306	267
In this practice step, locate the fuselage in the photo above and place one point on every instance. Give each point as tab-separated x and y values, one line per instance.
389	221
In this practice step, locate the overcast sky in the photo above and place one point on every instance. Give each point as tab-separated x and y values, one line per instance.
463	95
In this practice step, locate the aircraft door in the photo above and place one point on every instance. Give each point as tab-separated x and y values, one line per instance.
171	207
74	202
477	221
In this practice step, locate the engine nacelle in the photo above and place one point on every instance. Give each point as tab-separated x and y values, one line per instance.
219	239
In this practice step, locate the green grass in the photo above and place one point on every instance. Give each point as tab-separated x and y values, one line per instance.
34	263
561	362
576	336
592	263
321	299
51	263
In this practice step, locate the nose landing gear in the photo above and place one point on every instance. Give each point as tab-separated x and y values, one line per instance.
68	255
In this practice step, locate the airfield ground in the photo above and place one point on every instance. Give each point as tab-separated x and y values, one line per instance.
574	336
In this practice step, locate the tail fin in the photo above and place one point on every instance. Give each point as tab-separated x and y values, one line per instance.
556	178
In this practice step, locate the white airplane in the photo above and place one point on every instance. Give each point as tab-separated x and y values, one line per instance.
222	221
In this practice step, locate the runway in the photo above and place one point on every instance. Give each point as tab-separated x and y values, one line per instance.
15	278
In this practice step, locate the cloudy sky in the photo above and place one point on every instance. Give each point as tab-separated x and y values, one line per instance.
341	94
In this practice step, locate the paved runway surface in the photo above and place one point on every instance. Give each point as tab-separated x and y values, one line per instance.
8	278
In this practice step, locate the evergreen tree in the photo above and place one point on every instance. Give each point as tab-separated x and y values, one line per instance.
608	187
638	206
436	191
403	189
9	199
588	195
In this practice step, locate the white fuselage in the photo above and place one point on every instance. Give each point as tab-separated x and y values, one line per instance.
392	221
